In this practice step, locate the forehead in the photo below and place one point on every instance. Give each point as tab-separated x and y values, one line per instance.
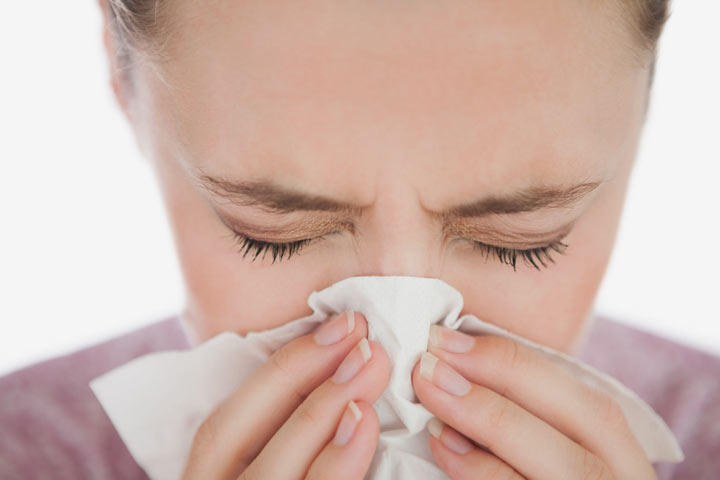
474	93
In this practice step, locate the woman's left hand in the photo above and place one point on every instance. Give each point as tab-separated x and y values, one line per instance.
535	419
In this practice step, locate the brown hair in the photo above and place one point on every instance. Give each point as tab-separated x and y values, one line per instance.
646	20
141	27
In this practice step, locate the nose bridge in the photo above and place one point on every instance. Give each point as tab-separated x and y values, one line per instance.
398	238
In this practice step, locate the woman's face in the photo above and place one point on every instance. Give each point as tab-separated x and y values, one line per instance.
396	134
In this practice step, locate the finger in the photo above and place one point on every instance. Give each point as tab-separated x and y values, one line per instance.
363	376
544	388
524	441
349	453
461	459
235	432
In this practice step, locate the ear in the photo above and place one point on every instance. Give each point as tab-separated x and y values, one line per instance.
117	82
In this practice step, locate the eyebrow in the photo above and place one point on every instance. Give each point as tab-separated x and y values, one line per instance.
278	199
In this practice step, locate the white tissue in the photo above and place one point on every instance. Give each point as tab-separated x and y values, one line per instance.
157	401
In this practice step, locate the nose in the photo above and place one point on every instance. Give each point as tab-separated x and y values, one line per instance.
397	237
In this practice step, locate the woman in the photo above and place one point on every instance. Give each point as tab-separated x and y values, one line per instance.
488	144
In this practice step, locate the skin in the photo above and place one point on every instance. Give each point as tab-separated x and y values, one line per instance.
404	110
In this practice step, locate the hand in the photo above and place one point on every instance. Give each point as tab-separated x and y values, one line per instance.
505	411
288	420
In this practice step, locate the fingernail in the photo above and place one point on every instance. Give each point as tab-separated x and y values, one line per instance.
450	340
427	365
435	427
354	361
336	329
442	375
451	439
348	422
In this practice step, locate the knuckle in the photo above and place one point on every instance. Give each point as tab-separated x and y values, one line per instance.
282	361
606	410
591	467
505	355
512	356
505	359
309	412
499	414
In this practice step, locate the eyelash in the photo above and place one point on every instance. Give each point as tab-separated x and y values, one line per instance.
278	249
505	255
509	256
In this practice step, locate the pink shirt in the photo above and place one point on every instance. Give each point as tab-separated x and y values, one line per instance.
51	425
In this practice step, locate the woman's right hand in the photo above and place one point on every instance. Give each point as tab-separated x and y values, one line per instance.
292	418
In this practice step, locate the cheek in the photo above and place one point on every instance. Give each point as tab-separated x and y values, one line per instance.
224	291
547	306
550	306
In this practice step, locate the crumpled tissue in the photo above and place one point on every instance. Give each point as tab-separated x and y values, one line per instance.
157	401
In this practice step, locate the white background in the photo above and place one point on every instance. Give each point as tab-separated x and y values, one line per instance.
85	248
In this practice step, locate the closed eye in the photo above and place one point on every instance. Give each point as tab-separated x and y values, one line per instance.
278	250
535	257
531	256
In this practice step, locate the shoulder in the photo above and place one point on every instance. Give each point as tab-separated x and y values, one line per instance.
680	383
51	422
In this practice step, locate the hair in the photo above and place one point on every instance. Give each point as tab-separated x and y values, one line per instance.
646	21
141	28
